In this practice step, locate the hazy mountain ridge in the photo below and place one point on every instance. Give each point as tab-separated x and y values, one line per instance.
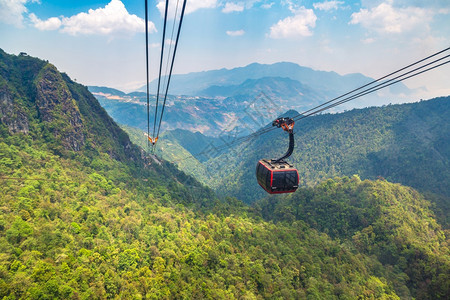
193	83
328	82
283	92
252	86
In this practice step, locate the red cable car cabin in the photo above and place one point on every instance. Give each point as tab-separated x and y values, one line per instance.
277	177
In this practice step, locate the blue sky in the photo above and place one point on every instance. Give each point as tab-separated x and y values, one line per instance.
103	42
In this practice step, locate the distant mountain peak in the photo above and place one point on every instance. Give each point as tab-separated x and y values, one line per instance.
291	113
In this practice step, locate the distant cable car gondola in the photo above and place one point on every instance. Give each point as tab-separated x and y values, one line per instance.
277	176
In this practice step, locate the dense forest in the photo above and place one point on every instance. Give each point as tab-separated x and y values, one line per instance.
85	214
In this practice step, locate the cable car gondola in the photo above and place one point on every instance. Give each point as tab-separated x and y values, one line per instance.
276	176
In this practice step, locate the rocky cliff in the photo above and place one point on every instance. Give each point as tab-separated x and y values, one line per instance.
58	109
11	113
36	99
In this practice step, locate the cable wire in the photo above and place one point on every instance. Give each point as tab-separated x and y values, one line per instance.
372	89
315	110
160	65
171	67
147	71
170	45
379	79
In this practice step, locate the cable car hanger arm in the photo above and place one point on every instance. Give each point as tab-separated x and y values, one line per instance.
288	125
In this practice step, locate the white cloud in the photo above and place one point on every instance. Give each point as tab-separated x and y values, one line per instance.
368	40
169	42
11	11
299	25
113	19
50	24
328	5
293	6
385	18
236	33
268	6
191	6
233	7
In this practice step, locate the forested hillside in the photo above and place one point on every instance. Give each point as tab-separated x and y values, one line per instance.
381	219
96	232
85	214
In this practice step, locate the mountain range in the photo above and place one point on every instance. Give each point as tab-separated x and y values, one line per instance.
194	84
213	102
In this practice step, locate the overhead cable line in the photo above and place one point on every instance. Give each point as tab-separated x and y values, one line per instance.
360	94
377	87
147	71
171	67
160	65
170	44
166	69
350	96
377	80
